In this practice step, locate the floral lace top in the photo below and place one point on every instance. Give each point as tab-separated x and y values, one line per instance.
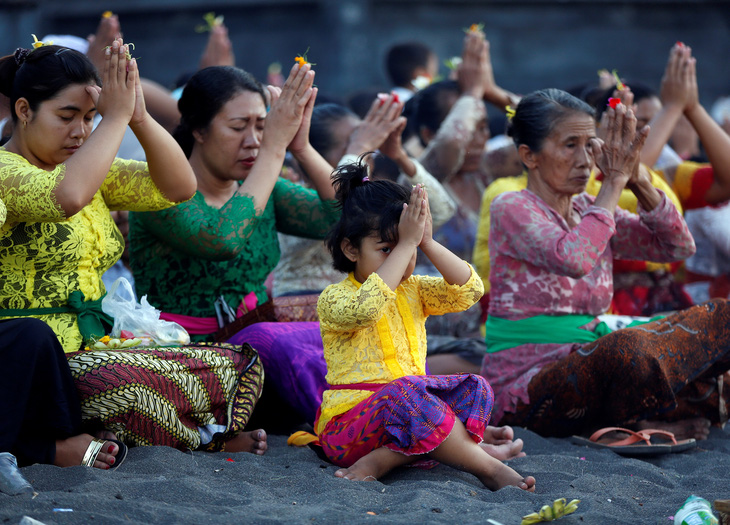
44	256
374	334
540	266
184	258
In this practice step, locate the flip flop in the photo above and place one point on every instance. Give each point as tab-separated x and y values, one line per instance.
94	448
637	443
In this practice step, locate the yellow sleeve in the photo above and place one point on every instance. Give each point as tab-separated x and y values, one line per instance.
348	306
128	186
481	246
628	201
439	297
29	193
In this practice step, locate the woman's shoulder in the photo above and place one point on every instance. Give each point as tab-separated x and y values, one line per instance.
513	199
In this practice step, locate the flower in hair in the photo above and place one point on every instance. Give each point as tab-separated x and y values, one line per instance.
366	179
613	102
510	111
619	85
40	43
302	59
211	21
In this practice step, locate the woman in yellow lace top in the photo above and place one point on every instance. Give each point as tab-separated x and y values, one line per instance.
59	181
381	410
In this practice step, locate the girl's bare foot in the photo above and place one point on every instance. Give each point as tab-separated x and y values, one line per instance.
374	465
70	452
506	451
696	428
498	435
253	442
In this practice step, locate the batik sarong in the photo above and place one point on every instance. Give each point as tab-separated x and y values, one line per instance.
161	396
664	370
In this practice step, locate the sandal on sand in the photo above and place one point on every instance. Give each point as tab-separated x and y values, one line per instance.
92	452
637	443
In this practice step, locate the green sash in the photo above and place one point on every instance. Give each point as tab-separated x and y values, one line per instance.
560	329
90	316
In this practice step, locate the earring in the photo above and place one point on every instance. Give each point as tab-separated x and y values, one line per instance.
25	123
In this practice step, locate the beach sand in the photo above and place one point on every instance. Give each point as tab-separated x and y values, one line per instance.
292	485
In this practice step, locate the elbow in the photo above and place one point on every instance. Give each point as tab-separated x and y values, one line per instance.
186	186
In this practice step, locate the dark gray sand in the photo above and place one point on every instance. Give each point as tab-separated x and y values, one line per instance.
292	485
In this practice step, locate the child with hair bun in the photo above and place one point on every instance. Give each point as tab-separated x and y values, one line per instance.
381	410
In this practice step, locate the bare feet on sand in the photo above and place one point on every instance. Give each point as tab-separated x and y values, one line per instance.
70	452
458	451
696	428
253	442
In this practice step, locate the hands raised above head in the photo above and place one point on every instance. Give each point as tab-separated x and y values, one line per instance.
381	122
288	106
121	94
679	83
475	74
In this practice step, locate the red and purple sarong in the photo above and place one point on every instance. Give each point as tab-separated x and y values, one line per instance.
411	415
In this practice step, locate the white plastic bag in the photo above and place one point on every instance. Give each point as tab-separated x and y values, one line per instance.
143	320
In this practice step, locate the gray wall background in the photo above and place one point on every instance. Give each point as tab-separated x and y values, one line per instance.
534	44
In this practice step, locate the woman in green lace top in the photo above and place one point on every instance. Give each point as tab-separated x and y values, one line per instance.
223	241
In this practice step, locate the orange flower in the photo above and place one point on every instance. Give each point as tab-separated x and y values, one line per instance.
474	28
302	59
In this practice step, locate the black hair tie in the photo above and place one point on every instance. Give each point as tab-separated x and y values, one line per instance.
20	55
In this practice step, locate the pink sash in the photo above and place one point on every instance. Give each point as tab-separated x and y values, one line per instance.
208	325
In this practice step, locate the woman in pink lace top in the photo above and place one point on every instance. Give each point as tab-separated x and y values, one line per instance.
555	366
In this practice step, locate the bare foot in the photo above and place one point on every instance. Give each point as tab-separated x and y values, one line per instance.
510	450
375	464
70	452
500	476
498	435
697	428
253	442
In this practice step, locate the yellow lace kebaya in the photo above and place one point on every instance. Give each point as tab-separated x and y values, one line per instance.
44	256
373	334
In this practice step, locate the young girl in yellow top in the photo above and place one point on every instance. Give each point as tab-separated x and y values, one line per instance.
381	410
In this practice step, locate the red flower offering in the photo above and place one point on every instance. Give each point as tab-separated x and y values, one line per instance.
613	102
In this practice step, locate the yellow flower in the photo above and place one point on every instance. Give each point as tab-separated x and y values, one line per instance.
510	111
619	85
105	339
39	43
107	14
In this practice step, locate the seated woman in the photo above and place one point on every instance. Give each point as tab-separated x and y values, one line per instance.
551	366
59	182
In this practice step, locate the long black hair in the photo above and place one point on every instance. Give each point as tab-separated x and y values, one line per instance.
205	94
40	74
368	206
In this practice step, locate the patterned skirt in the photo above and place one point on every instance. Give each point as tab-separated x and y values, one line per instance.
663	370
161	396
411	415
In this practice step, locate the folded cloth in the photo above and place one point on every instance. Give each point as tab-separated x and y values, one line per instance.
12	481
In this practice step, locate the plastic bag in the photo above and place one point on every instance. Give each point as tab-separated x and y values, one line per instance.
142	319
